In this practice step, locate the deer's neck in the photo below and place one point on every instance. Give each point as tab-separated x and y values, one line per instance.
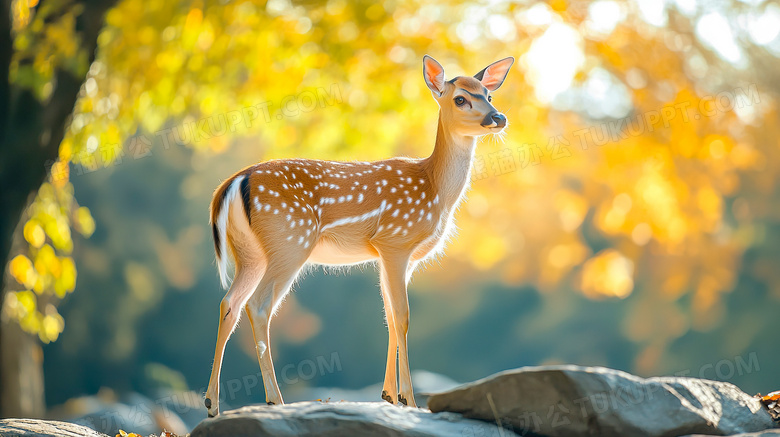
449	166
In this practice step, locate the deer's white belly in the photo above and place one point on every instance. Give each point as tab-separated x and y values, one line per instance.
329	253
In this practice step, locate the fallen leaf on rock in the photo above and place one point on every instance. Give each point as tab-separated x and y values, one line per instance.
772	403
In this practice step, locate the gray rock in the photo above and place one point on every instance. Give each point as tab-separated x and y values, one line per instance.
342	419
44	428
424	382
769	433
594	401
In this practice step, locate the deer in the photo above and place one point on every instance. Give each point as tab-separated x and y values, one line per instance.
276	217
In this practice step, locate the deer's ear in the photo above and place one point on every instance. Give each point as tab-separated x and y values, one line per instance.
433	73
494	74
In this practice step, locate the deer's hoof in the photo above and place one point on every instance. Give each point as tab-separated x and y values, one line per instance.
402	399
386	396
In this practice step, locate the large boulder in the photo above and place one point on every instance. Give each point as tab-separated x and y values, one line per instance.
44	428
341	419
595	401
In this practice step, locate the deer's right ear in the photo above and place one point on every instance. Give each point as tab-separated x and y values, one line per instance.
434	75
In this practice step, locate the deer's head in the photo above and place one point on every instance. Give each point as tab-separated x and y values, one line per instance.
465	102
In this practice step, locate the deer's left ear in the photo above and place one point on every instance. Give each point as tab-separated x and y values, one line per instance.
494	74
433	73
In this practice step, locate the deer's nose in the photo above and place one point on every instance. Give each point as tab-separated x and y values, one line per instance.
495	119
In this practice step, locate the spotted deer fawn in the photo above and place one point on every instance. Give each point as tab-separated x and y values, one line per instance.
275	217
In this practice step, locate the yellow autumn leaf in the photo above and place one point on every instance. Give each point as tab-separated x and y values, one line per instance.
86	224
34	234
607	274
51	327
67	280
22	270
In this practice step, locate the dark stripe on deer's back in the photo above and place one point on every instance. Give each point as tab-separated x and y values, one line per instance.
216	239
245	197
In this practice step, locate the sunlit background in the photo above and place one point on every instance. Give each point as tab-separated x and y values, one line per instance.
628	219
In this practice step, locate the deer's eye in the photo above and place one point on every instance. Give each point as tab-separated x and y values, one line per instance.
460	100
490	98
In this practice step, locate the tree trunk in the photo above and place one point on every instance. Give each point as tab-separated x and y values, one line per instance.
22	373
30	135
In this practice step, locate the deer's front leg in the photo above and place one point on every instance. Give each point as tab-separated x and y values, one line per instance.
394	278
390	387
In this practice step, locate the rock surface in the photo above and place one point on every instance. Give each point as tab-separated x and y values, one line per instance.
594	401
768	433
342	419
44	428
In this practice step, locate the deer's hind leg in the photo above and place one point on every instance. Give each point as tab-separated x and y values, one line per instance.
246	279
283	267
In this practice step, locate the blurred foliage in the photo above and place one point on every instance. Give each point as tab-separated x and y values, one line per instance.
44	40
674	220
47	271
